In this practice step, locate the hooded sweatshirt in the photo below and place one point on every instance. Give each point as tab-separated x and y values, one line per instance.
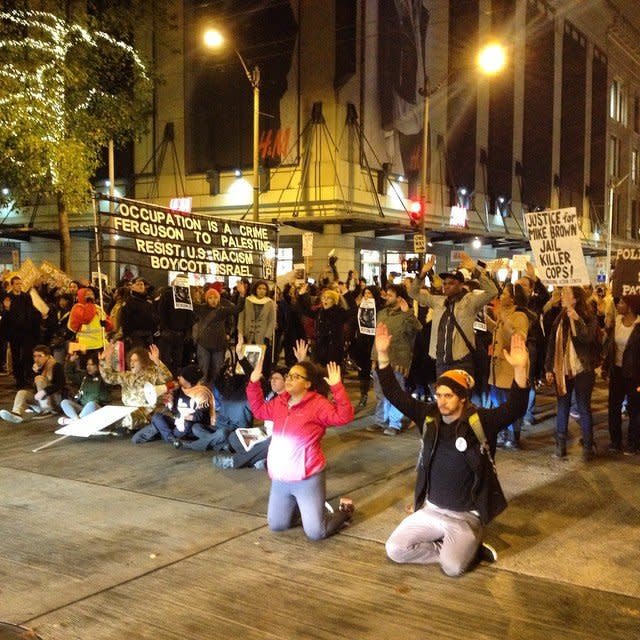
84	321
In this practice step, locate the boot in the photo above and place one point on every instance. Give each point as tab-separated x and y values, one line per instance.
588	452
561	447
364	391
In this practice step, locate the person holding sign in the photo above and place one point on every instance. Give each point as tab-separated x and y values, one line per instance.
572	356
295	460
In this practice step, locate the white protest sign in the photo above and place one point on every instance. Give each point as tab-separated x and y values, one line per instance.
555	240
307	244
94	422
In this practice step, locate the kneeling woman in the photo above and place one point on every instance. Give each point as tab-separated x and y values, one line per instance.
295	460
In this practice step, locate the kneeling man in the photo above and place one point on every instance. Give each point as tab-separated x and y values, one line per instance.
457	491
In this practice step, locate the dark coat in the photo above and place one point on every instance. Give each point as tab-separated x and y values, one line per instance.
585	342
486	497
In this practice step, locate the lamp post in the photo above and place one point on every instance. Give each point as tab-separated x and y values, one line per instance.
491	59
213	39
613	186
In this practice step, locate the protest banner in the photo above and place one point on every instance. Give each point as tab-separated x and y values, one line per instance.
176	241
54	276
626	277
29	274
555	240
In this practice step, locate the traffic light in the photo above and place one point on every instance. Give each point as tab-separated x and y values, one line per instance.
416	212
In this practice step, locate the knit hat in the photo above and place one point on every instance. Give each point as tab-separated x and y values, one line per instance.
333	294
458	380
191	373
211	292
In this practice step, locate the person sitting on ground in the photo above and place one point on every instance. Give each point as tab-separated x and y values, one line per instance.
295	460
93	391
457	491
145	367
190	403
256	456
49	384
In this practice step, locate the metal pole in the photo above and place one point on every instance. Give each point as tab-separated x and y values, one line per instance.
424	184
255	82
612	189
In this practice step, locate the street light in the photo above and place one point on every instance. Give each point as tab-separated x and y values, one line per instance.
491	59
213	39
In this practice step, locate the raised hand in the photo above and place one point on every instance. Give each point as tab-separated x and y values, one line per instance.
427	266
467	262
383	338
333	374
256	374
531	272
517	356
107	352
301	350
154	353
403	304
242	288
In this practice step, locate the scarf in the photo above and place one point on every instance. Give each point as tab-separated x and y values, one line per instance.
565	359
203	397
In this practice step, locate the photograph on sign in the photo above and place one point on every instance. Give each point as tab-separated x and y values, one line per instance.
555	240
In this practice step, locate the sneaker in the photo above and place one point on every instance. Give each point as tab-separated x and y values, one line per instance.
363	402
615	449
390	431
574	414
260	464
64	421
9	416
223	462
375	427
629	451
486	553
588	454
347	506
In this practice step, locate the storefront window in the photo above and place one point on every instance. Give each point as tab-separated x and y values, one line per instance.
369	265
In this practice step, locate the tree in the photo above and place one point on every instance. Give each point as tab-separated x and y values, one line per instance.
67	87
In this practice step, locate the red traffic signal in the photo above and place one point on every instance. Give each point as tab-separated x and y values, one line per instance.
416	212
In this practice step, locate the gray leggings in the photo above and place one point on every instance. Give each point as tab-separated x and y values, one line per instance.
309	495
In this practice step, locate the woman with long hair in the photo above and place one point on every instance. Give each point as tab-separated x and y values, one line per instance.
511	320
573	353
295	461
622	367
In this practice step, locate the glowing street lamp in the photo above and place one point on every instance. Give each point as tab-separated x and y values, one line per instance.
491	60
213	39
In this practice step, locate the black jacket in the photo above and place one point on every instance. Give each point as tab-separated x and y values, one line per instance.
486	495
329	325
138	316
22	318
585	342
212	324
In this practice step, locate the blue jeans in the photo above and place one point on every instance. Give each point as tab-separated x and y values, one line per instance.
528	416
74	409
582	385
499	396
210	363
385	411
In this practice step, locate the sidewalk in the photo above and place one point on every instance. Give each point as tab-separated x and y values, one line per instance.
105	540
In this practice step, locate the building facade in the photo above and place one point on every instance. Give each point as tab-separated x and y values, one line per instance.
342	94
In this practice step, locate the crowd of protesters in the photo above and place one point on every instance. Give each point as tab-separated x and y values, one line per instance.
72	359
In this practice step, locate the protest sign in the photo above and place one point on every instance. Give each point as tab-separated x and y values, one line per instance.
626	277
182	294
307	244
190	243
29	273
555	239
52	275
367	317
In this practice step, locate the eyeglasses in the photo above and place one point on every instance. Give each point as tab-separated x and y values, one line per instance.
294	376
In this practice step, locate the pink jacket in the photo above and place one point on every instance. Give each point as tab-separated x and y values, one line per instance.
295	452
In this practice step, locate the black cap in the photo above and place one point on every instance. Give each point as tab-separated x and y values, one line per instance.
456	275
